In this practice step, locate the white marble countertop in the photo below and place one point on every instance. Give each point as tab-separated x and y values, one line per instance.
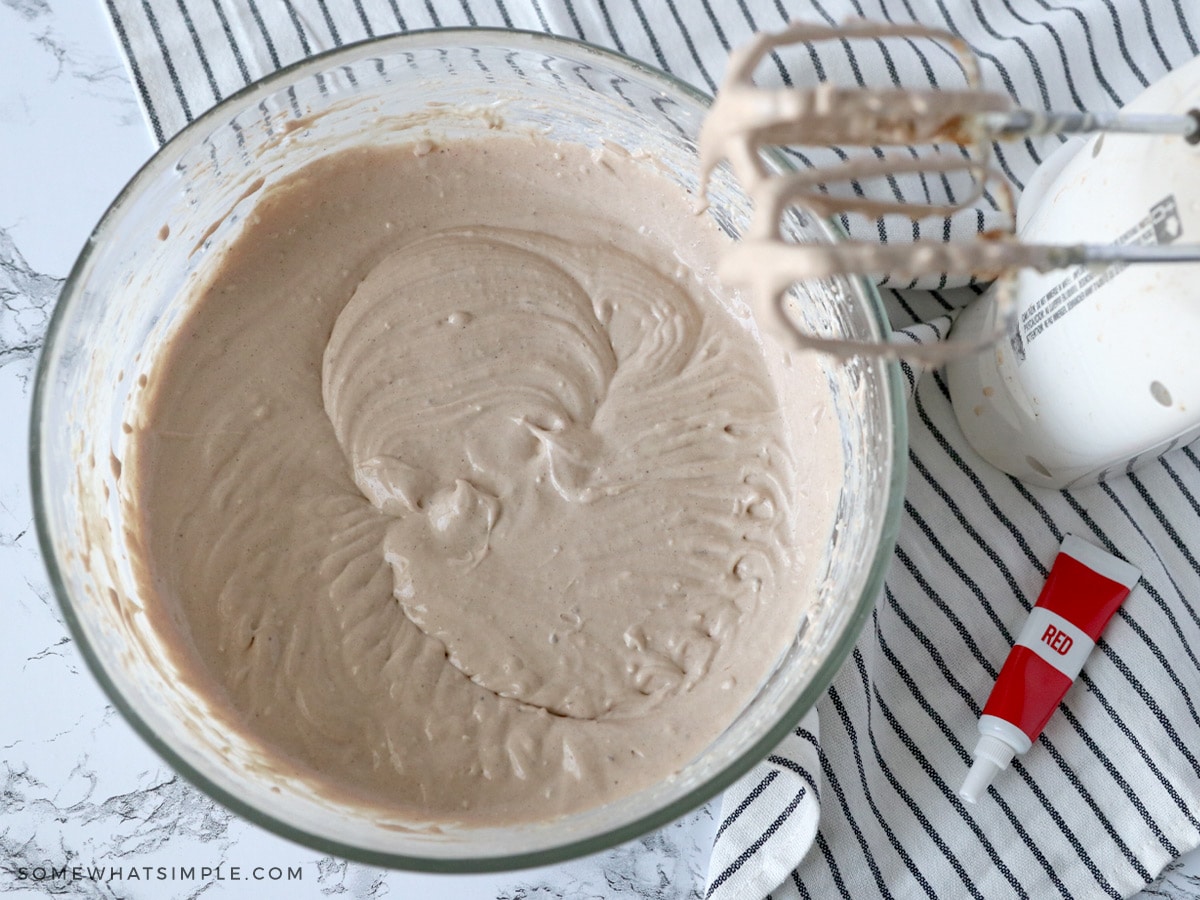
79	787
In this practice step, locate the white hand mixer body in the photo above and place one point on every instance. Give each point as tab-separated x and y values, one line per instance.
1075	366
1101	369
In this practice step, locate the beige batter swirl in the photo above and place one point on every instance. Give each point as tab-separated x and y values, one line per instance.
466	490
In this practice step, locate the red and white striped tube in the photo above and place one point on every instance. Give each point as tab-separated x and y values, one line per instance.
1084	589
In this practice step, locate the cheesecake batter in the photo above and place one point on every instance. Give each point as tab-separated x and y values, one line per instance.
467	492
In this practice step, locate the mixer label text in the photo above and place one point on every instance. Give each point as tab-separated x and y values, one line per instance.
1161	225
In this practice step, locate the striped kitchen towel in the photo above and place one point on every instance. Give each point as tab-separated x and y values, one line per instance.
866	805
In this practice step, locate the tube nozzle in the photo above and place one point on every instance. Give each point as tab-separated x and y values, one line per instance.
992	755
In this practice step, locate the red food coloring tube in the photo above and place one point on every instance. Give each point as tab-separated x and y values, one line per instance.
1084	589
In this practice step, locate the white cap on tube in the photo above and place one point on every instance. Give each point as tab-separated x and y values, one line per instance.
992	755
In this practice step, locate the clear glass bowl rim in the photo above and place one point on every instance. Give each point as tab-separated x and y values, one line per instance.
71	294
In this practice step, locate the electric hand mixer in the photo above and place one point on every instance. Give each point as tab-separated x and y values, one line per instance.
1075	366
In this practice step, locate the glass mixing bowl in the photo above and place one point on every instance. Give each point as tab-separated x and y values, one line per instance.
126	292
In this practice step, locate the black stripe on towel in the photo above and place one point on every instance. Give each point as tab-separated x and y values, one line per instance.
233	44
854	742
732	868
203	57
831	779
138	78
792	766
753	795
152	21
262	27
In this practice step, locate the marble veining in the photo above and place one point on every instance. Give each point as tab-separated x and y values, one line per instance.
1179	880
77	786
658	866
26	300
29	9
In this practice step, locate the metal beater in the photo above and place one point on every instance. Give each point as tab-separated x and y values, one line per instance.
745	118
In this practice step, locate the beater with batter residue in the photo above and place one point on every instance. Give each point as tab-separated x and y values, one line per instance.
745	118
